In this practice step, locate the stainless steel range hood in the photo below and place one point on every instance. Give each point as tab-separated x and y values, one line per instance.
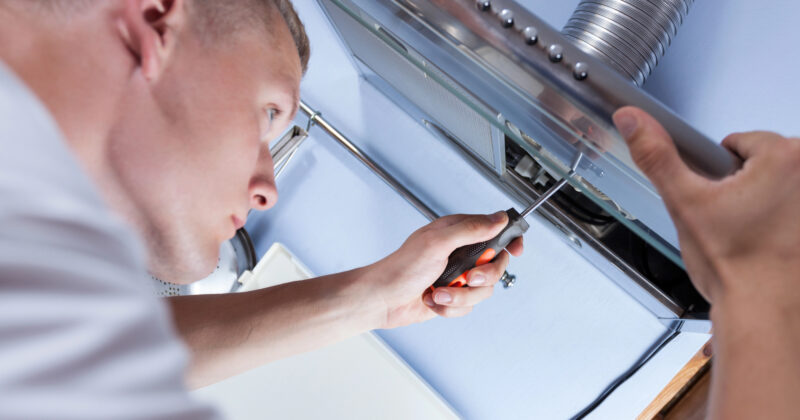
522	101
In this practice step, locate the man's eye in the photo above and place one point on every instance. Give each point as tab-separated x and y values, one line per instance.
272	113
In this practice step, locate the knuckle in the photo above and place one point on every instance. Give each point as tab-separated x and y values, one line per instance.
445	311
457	295
434	225
732	137
473	225
427	240
478	223
494	273
742	136
441	311
420	231
437	223
415	236
769	135
501	263
732	141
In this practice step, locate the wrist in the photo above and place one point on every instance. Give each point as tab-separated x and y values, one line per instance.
755	293
369	307
760	280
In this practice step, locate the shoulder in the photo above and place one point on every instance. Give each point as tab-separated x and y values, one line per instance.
45	197
81	327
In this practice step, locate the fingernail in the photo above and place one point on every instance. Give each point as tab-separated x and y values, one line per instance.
443	297
428	300
477	279
496	217
626	123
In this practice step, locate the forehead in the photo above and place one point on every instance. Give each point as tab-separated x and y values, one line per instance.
253	67
277	57
260	59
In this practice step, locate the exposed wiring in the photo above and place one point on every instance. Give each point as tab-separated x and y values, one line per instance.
580	212
660	344
569	205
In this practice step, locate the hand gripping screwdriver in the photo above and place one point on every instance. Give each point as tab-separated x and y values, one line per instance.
470	256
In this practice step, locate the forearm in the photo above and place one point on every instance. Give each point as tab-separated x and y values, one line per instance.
756	341
232	333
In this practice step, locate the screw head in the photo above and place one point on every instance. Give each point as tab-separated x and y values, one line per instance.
531	35
556	53
508	280
507	18
580	70
484	5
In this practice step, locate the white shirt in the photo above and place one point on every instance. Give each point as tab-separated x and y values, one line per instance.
82	335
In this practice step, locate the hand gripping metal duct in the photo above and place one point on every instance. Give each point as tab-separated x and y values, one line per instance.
629	35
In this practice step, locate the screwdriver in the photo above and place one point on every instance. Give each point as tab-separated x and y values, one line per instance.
470	256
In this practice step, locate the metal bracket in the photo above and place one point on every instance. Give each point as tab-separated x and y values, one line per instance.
284	149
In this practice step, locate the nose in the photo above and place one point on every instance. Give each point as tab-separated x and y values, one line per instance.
262	190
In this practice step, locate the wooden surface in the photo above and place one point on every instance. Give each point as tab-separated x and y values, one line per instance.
686	395
694	404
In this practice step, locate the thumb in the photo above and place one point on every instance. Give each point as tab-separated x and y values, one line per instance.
653	151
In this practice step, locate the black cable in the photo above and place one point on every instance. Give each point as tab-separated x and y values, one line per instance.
251	259
583	215
660	344
578	210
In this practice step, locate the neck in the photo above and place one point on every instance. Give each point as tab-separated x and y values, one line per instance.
72	64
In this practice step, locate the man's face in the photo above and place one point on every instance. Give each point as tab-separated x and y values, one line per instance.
191	151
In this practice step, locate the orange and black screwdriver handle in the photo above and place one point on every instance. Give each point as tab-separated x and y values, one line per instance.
470	256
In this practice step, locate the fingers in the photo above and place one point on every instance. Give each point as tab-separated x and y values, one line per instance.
446	221
461	296
444	310
488	274
447	311
516	247
481	280
654	152
451	311
747	145
467	230
458	301
451	302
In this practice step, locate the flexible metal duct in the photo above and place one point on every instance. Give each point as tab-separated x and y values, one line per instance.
629	35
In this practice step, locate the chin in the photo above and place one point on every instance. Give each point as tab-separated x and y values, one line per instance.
186	267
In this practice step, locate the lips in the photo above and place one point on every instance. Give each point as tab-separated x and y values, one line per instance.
238	223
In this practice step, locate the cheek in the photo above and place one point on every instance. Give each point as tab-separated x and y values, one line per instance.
208	147
220	138
228	164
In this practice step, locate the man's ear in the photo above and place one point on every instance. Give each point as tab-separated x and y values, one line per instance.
150	28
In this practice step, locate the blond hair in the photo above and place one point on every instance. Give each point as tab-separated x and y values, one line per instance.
221	17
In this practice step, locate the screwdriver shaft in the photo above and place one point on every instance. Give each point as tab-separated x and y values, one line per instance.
544	197
554	189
